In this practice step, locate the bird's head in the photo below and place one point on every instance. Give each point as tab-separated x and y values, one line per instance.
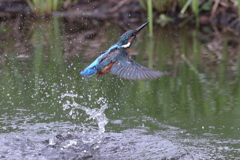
129	37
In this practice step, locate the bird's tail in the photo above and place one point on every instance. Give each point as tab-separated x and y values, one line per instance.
89	72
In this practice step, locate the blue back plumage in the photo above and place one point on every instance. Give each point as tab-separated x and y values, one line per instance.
93	68
89	72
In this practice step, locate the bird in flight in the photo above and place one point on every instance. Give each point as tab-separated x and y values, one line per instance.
116	60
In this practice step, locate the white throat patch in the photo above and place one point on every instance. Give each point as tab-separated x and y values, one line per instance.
126	45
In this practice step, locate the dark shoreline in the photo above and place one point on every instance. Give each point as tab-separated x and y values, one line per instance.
223	19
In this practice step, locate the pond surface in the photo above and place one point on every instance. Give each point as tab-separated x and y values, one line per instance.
49	111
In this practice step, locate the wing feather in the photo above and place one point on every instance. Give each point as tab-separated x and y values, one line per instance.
129	69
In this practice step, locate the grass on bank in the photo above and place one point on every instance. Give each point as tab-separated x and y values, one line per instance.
44	7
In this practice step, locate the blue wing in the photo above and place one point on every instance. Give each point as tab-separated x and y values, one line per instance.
129	69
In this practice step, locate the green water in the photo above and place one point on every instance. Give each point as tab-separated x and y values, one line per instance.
197	106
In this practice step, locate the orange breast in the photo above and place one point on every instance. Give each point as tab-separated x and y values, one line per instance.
130	39
106	69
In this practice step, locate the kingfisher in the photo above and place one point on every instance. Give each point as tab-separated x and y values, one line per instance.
116	60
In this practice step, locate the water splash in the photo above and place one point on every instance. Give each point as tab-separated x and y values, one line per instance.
95	114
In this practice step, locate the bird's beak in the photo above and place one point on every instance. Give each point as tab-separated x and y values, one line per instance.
140	28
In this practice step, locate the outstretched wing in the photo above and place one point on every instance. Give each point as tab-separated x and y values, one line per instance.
129	69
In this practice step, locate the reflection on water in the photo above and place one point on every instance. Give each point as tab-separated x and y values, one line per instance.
48	109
